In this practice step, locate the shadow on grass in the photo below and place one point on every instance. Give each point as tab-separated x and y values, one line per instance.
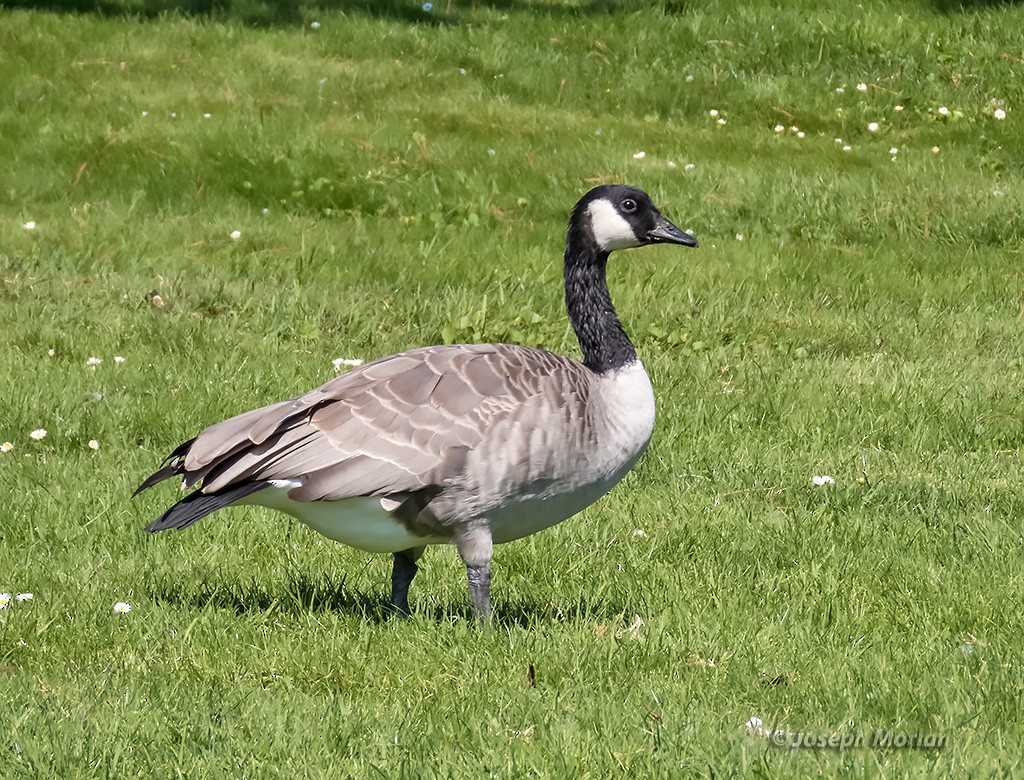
300	595
268	13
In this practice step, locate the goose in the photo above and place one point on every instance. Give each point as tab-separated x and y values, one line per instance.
466	444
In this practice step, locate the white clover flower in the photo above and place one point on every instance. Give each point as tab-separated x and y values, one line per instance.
713	113
862	87
897	108
5	599
93	362
119	358
236	234
122	607
999	114
24	597
780	128
943	111
93	444
30	225
756	726
352	362
872	127
823	479
38	434
689	167
639	155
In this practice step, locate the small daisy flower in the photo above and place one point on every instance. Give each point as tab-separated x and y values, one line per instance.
670	164
713	113
314	25
351	362
839	140
943	111
30	225
847	148
840	90
935	150
897	108
6	447
999	114
739	236
780	128
122	607
24	597
639	155
862	87
872	127
38	434
640	532
236	234
721	121
51	352
823	479
800	134
93	444
93	362
894	150
492	152
5	599
794	129
145	113
119	358
689	167
207	116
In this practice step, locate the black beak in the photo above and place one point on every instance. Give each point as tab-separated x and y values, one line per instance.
664	232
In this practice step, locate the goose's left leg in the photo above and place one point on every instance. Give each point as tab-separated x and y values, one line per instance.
402	574
476	546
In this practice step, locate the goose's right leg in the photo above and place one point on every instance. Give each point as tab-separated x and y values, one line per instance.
402	573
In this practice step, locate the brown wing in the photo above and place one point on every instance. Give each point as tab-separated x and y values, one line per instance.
399	424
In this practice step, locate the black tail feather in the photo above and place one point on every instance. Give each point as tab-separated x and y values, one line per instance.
172	465
195	506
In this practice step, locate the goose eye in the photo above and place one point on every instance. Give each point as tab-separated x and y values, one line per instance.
628	206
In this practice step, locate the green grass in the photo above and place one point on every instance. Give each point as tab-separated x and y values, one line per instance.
866	327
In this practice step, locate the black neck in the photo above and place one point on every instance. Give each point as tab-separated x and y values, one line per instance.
604	343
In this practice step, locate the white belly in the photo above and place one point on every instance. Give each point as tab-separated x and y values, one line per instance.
359	522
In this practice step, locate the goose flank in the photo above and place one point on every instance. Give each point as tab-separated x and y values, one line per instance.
471	445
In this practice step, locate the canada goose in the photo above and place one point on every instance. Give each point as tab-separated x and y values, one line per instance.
470	444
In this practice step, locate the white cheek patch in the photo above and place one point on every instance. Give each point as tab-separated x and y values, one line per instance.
611	231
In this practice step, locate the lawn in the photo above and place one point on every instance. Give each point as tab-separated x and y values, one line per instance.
200	212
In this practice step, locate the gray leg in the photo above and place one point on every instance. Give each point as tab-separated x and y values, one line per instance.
476	546
402	574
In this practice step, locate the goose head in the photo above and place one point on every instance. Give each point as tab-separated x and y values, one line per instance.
617	216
